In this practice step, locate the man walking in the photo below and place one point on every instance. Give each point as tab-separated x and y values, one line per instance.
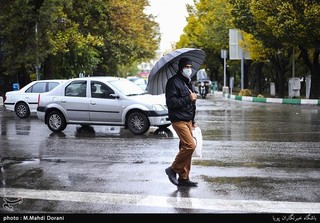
181	101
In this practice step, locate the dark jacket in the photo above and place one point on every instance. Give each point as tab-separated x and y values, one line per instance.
178	100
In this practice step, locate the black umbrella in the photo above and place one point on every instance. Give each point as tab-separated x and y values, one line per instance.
167	66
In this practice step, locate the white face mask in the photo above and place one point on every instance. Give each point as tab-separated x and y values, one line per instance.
187	72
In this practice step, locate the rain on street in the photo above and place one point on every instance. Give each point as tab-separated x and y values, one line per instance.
257	158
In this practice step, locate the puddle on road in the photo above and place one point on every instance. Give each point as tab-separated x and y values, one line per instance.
8	161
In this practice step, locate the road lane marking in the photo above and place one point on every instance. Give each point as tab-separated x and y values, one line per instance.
216	205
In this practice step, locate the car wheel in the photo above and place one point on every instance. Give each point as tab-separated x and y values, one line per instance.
138	123
22	110
56	121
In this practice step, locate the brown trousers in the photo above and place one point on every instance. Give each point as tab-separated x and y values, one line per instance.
182	162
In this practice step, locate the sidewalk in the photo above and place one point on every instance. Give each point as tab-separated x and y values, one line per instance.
272	100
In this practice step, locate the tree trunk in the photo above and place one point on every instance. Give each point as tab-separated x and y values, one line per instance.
315	80
258	78
281	83
247	65
314	70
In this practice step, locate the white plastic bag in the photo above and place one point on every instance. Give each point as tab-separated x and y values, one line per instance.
197	135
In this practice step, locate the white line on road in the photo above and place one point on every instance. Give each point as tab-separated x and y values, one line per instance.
216	205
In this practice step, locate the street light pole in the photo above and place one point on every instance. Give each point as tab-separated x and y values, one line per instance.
224	56
242	69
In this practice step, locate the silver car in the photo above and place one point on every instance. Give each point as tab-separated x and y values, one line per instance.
102	101
25	101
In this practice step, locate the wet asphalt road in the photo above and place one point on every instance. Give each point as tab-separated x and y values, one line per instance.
258	152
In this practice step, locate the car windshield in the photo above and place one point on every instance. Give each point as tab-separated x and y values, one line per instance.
127	87
202	75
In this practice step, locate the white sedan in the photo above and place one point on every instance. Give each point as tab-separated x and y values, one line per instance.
109	101
25	101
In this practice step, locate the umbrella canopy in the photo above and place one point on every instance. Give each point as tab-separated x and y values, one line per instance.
167	66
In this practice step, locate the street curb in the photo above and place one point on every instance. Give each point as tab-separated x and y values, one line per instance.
274	100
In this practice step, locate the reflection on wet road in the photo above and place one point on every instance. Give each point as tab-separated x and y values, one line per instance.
257	157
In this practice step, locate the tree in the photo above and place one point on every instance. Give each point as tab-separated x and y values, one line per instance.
283	25
128	34
72	37
208	29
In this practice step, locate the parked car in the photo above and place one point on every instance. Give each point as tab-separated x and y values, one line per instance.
25	101
141	82
103	100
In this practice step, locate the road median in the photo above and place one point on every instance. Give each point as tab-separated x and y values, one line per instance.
294	101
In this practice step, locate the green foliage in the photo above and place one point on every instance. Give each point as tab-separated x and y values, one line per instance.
270	30
281	26
77	36
208	29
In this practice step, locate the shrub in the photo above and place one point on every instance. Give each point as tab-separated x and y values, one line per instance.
245	92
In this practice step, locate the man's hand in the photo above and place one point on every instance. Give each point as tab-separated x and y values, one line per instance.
193	96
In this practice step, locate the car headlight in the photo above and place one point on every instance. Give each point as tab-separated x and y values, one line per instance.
158	107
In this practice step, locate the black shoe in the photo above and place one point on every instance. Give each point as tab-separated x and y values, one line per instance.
187	183
172	176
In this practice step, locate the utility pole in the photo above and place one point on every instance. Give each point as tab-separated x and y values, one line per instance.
224	55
